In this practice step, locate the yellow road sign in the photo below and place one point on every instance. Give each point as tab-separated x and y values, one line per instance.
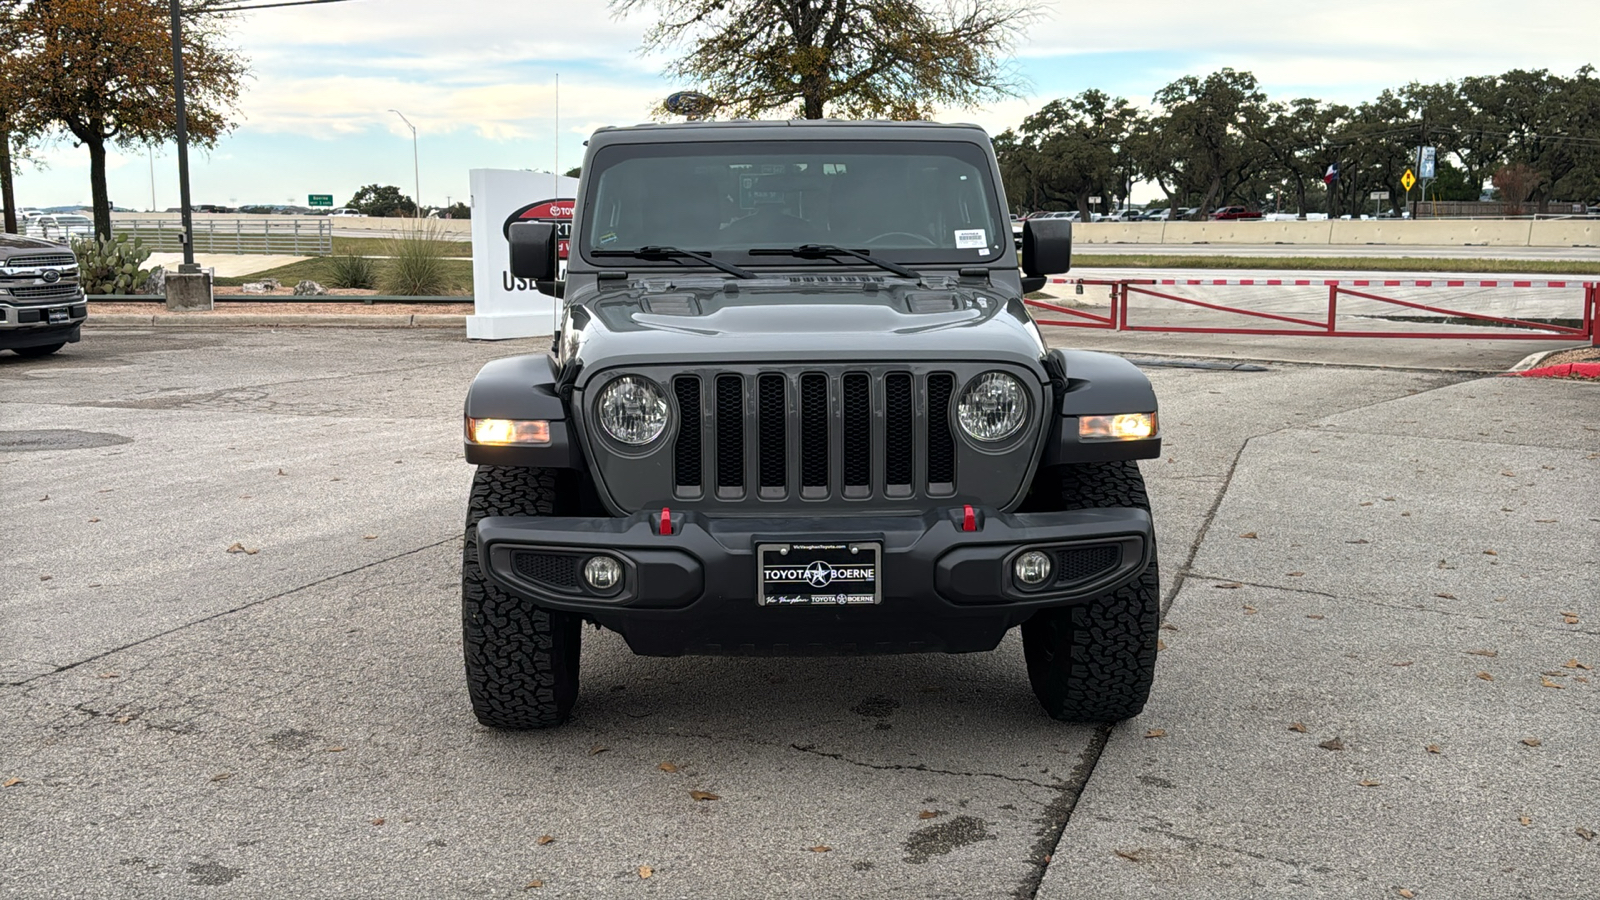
1408	179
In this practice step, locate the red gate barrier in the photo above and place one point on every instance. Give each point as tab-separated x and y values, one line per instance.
1122	290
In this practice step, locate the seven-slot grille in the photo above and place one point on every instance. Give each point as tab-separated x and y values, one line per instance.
814	435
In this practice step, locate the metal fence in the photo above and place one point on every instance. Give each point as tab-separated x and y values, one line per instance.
294	237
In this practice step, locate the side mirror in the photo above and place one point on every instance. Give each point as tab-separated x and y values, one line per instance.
1046	247
533	250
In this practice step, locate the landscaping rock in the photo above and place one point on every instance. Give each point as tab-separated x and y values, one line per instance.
255	287
309	288
156	283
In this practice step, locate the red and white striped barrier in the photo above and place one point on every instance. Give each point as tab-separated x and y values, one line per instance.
1334	282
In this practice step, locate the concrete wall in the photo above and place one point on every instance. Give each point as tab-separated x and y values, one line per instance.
1433	232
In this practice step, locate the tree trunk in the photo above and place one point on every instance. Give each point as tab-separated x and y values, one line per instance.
7	195
813	103
97	187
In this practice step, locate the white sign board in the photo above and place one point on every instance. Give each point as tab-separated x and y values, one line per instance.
1379	195
503	306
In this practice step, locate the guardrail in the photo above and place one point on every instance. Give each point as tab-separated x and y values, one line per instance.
292	237
1585	326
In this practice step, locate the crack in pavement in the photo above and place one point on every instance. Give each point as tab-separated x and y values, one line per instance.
891	767
228	612
1057	813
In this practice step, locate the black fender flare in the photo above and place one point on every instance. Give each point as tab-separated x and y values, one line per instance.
523	387
1086	383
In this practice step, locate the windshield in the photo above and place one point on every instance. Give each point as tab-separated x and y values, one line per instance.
910	201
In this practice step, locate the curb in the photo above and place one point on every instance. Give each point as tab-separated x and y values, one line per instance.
1532	360
303	320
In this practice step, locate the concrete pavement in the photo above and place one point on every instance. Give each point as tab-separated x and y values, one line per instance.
184	721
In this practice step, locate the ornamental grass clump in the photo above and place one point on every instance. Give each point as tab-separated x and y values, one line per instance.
348	270
417	263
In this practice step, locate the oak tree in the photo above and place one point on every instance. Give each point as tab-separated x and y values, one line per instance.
101	71
898	59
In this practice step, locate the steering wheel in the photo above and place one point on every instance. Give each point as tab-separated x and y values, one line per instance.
888	234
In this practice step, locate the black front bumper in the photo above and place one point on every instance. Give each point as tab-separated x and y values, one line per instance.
694	590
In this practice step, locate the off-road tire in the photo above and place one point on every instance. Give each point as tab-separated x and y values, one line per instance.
1094	662
521	659
38	350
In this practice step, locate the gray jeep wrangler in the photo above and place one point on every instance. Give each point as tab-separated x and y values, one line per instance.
42	306
796	406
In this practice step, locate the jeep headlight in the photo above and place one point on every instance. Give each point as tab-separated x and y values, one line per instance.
993	407
633	410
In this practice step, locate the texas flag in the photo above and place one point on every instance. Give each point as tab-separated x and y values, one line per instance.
1332	175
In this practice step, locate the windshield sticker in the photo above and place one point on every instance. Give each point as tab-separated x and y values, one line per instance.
970	238
608	238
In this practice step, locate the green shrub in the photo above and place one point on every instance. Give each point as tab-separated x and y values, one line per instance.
351	271
111	266
416	266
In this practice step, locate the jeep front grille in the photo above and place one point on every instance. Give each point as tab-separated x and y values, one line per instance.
800	424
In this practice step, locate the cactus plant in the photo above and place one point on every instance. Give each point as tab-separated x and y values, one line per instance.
111	266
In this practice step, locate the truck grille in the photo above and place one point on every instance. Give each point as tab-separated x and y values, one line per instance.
59	291
814	435
40	259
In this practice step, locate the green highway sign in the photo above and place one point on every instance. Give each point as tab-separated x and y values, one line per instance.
319	199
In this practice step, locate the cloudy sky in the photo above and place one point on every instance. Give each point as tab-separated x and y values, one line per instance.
477	78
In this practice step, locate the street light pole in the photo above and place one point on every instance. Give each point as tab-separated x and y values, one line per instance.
183	143
415	169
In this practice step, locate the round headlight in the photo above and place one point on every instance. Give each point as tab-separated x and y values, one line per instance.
632	410
993	407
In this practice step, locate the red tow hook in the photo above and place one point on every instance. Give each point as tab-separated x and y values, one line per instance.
666	521
969	519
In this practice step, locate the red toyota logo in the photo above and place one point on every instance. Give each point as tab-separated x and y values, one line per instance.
557	211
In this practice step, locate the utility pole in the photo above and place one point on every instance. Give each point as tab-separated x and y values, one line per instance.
188	266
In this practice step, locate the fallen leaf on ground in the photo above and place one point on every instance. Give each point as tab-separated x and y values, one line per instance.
1485	676
369	537
1314	616
336	749
46	577
1402	664
1545	521
1366	503
95	519
1445	595
1433	748
646	871
1332	744
1367	782
1248	534
927	814
536	883
1509	474
1160	644
282	472
1298	726
1296	575
109	675
1532	742
1525	820
1584	833
1156	732
1405	893
1406	513
1359	541
1249	610
1545	682
543	839
1390	499
667	767
378	821
11	782
222	776
1131	857
703	795
237	547
598	749
1230	585
1481	652
1570	620
821	848
1573	664
1490	553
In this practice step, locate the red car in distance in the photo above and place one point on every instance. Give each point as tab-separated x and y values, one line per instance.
1231	213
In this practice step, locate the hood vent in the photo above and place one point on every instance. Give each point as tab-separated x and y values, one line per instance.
672	305
931	302
873	280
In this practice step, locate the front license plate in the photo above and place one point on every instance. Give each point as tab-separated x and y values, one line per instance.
57	316
843	573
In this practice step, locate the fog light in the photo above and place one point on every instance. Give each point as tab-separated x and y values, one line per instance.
1032	568
602	572
508	431
1127	427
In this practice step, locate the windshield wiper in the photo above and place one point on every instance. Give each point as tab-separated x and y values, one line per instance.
829	251
654	252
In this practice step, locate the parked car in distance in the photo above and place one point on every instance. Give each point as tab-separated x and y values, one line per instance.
346	212
1125	215
60	228
42	306
1234	213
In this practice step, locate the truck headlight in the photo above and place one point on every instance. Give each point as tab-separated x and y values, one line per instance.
1126	427
633	410
993	407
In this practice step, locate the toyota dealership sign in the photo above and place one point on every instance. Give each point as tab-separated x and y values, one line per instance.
505	306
